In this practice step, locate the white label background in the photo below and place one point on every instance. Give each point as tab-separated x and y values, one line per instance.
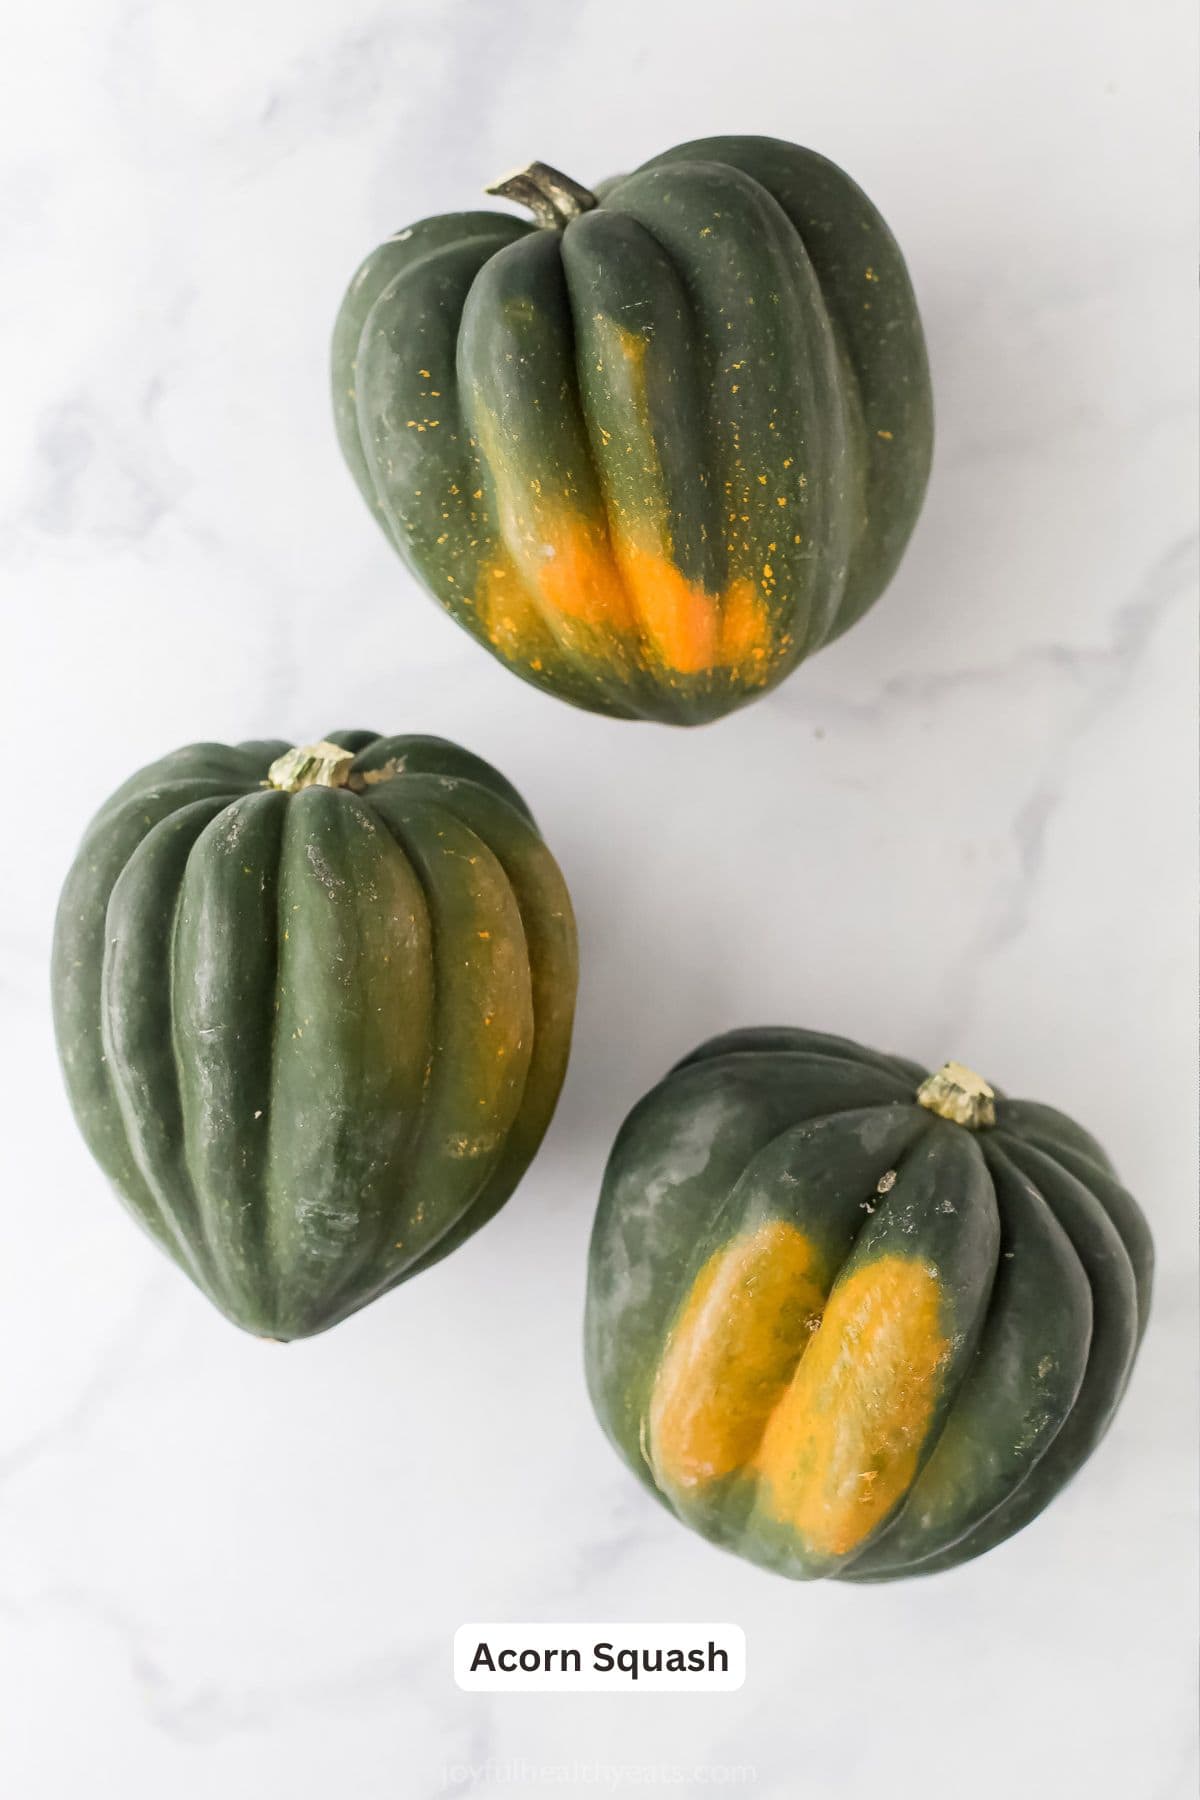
541	1637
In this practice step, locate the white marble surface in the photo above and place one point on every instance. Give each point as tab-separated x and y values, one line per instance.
967	830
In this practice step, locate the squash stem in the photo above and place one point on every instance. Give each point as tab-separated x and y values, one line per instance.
960	1095
552	197
311	765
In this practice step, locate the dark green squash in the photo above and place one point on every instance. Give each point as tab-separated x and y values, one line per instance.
849	1321
659	447
314	1008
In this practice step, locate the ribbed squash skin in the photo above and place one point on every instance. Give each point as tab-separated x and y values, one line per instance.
655	459
845	1337
313	1038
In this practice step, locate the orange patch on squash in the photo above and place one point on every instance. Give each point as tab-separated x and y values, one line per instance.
572	566
686	629
562	574
680	622
690	631
746	638
508	613
638	598
750	1313
843	1445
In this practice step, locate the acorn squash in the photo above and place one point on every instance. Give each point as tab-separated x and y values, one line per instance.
850	1321
662	444
313	1007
